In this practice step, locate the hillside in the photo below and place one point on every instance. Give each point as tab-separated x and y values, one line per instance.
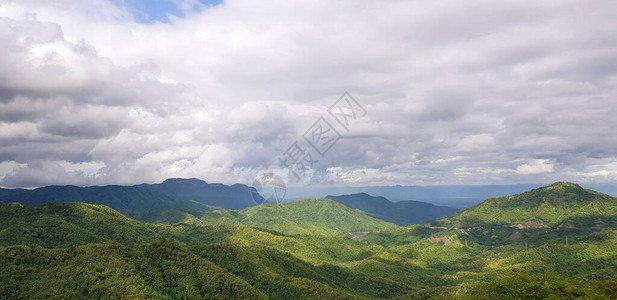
162	270
57	225
80	267
8	195
98	252
402	213
122	198
69	224
237	196
309	216
167	269
565	204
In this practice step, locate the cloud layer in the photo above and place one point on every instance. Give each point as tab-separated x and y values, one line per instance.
473	92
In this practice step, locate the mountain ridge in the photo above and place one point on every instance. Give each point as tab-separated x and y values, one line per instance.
121	198
402	213
183	194
236	196
555	204
308	216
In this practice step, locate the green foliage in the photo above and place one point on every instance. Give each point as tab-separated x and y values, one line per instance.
72	224
398	236
69	224
401	213
309	216
278	274
97	252
540	286
559	203
162	270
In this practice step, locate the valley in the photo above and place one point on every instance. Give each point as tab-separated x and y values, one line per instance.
314	248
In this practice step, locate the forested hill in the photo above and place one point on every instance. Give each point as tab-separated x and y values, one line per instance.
95	252
308	216
85	251
560	204
402	213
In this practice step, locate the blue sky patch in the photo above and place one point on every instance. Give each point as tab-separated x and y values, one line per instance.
152	11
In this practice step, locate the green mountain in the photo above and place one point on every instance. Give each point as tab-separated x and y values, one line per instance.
167	269
402	213
237	196
122	198
124	267
83	251
7	195
72	224
309	216
562	203
69	224
280	275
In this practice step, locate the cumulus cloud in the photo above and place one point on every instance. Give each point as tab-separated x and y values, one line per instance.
455	92
537	167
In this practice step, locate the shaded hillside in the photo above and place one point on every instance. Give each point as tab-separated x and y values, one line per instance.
237	196
122	198
565	204
401	213
8	195
309	216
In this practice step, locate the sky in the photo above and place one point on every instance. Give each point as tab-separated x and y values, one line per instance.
321	93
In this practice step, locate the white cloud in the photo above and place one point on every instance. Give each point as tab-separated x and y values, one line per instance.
537	166
456	92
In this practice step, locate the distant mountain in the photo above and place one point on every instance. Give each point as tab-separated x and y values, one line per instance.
457	196
237	196
562	203
121	198
309	216
401	213
9	195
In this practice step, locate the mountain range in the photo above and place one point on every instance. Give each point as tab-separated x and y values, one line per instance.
402	213
551	242
171	194
236	196
178	200
117	197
